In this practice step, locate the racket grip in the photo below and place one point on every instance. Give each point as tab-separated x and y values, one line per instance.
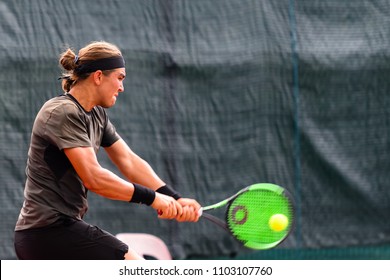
200	212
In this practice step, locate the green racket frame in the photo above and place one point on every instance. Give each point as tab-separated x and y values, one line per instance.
255	233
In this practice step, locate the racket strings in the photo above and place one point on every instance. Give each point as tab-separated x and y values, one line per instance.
248	216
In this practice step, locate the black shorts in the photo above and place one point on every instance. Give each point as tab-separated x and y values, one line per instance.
68	239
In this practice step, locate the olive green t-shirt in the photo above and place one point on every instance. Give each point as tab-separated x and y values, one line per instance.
53	188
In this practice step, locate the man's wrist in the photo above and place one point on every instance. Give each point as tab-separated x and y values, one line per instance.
142	195
169	191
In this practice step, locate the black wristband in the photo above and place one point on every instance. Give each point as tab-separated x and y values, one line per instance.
142	195
169	191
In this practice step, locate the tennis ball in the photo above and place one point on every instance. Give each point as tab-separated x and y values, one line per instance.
278	222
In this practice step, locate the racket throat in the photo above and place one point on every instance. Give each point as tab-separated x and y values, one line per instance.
215	220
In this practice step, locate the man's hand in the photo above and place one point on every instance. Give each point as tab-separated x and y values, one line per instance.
190	211
167	207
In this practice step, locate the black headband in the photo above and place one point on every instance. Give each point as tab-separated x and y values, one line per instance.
108	63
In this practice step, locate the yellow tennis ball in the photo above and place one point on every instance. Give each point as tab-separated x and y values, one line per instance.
278	222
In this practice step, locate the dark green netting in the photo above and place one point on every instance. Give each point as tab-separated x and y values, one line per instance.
220	95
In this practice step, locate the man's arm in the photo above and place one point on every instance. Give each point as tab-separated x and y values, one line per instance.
109	185
133	167
139	171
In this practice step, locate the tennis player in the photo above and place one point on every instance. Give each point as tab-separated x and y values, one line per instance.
62	166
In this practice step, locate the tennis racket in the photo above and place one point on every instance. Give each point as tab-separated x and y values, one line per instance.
250	215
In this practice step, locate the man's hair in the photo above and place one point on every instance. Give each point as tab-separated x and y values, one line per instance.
69	61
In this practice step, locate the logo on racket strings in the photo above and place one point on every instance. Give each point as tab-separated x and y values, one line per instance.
239	215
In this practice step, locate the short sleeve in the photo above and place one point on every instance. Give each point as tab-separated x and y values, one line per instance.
65	128
110	136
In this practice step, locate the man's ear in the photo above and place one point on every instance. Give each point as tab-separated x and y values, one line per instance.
97	77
